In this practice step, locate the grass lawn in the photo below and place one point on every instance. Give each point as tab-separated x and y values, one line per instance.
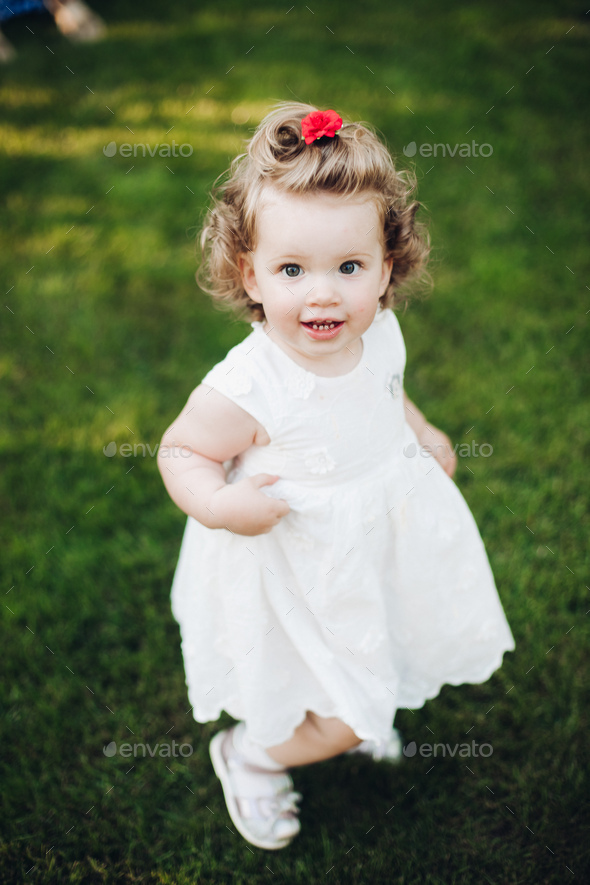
104	336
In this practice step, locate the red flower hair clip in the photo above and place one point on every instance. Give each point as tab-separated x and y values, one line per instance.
320	123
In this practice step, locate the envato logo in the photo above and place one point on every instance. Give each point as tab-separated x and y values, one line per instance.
465	450
433	150
130	150
471	749
133	749
126	450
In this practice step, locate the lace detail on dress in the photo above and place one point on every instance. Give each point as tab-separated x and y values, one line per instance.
372	640
302	541
320	461
371	508
300	383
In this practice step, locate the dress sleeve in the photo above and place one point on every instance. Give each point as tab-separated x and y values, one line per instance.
242	381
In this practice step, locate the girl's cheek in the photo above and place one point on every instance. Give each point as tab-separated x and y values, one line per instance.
286	299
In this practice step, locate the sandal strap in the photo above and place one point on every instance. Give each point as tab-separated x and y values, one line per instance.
280	803
265	807
230	752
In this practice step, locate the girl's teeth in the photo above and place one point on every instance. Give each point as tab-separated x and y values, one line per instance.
331	326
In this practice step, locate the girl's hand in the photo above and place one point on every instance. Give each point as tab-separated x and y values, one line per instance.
243	509
437	442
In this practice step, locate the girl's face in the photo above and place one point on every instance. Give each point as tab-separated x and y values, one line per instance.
318	258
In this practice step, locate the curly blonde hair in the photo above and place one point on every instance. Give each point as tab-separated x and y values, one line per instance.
355	161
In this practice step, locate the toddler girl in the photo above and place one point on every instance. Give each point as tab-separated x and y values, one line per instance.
330	571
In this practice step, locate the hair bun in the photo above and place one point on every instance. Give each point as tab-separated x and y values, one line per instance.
287	142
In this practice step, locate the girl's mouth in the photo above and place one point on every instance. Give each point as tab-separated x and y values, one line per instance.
321	332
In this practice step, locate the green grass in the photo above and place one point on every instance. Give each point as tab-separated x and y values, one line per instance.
105	335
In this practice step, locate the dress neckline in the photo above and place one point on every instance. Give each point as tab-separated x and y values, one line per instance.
257	326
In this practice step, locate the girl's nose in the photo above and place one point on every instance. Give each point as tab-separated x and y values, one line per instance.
323	293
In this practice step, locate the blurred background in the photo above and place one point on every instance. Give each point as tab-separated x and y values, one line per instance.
104	336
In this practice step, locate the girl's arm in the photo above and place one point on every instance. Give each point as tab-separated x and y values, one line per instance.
430	437
191	480
210	430
414	417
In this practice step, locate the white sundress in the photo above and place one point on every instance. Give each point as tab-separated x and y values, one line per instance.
373	591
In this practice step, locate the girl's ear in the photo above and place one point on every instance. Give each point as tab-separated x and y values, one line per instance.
248	275
387	266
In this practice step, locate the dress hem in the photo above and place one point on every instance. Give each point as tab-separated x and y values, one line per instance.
362	733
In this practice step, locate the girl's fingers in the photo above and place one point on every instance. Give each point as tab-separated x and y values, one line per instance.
264	479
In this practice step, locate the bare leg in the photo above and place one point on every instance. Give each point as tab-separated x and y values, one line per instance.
76	20
314	740
7	50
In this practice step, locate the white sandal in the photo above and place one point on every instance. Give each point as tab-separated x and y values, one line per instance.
389	750
267	819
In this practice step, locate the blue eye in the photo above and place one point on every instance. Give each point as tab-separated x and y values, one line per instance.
289	267
293	276
349	264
